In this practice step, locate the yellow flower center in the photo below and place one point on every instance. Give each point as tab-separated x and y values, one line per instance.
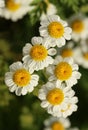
67	53
78	26
55	96
38	52
69	105
22	77
56	29
86	56
57	126
63	71
12	6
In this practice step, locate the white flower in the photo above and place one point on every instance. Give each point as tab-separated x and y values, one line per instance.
56	30
15	9
81	57
54	123
79	25
38	55
55	98
71	106
64	70
51	9
21	79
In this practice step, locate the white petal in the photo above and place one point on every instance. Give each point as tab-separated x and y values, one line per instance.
24	91
76	74
58	59
18	91
9	82
44	22
64	23
58	83
12	88
69	60
61	42
44	104
52	51
26	49
36	40
15	66
68	30
75	67
42	96
54	18
67	36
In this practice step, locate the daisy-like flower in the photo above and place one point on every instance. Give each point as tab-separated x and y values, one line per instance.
81	56
38	55
79	25
50	10
56	30
54	123
15	9
21	79
55	98
63	70
71	105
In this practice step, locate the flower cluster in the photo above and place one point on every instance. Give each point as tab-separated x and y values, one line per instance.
61	73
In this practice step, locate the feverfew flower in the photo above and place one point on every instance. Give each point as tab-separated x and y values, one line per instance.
81	56
38	55
54	123
71	105
55	29
21	79
63	70
79	25
15	9
55	98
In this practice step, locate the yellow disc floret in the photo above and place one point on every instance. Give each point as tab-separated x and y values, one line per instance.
85	56
21	77
56	29
63	71
55	96
12	6
57	126
67	53
38	52
78	26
